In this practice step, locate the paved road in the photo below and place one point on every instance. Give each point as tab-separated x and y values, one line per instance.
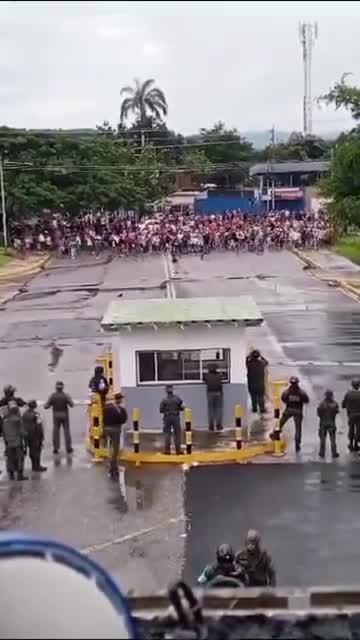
155	522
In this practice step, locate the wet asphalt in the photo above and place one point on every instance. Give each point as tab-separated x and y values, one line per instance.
161	522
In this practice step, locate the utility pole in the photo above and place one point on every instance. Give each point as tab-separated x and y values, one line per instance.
308	33
2	187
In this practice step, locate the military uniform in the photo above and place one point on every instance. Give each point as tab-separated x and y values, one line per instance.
115	416
214	394
13	432
327	412
256	381
351	403
34	437
258	567
60	402
170	407
294	398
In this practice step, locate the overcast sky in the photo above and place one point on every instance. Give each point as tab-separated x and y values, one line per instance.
62	64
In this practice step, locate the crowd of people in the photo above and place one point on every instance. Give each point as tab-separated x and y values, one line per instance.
175	232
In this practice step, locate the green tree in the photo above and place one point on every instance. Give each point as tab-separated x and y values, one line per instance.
228	152
344	95
297	147
143	98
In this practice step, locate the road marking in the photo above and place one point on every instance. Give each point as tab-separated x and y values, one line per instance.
169	273
130	536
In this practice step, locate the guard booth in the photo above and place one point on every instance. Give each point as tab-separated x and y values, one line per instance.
172	341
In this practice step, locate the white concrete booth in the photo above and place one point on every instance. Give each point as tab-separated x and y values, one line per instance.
172	341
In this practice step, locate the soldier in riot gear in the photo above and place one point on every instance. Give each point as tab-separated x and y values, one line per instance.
294	398
327	412
351	403
9	396
14	437
256	562
34	435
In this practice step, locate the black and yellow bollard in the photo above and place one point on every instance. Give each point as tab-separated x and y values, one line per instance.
136	432
238	426
188	430
277	430
109	371
96	426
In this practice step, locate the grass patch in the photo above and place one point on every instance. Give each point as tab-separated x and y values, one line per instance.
349	247
5	257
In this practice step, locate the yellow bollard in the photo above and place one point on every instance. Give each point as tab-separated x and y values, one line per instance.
188	430
106	362
238	426
96	425
136	432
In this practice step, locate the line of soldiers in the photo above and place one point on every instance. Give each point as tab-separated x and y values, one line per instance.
252	566
24	432
295	398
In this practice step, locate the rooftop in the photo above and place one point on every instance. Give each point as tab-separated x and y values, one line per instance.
181	311
300	166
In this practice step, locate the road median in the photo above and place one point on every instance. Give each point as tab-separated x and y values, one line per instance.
350	285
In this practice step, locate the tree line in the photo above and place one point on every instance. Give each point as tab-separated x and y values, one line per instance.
136	163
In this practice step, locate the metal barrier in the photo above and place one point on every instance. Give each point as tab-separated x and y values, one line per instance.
277	385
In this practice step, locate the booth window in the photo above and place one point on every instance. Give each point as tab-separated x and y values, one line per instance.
181	366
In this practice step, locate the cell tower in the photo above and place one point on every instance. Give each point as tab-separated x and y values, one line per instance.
308	32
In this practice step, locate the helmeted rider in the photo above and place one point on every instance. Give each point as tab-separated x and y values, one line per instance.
256	562
224	567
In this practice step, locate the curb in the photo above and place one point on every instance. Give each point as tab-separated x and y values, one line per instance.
26	271
343	285
307	261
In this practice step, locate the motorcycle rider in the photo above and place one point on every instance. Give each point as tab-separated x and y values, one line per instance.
224	567
256	562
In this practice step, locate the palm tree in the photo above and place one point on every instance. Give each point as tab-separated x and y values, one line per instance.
143	98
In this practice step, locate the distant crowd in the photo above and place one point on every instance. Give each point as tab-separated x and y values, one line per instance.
174	232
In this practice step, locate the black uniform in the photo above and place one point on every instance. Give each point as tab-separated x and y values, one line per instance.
351	403
114	417
214	392
294	398
34	437
170	407
256	366
327	412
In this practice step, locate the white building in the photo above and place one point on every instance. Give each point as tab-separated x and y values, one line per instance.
172	341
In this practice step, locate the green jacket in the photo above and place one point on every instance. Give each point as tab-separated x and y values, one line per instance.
13	431
33	427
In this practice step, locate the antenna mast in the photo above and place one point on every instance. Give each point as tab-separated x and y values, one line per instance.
308	33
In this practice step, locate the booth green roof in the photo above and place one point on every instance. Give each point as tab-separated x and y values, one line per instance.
129	313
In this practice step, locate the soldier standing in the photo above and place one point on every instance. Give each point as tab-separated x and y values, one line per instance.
351	403
214	392
60	402
327	412
256	366
115	415
34	435
9	396
170	407
294	398
256	562
13	432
